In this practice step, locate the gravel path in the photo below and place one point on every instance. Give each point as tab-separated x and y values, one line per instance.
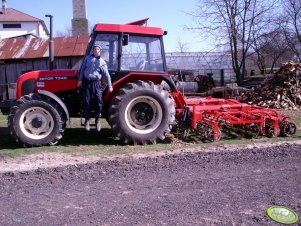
216	186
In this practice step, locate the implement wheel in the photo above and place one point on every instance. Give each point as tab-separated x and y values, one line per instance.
287	128
141	113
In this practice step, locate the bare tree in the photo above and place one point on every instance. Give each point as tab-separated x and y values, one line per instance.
234	24
271	50
292	25
181	46
66	33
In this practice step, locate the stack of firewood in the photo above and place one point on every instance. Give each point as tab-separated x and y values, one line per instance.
282	90
205	83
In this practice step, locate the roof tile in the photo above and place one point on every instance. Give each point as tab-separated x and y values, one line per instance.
13	15
29	47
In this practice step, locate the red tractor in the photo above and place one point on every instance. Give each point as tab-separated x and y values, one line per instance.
145	102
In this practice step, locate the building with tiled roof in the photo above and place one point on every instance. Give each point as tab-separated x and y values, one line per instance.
30	47
15	23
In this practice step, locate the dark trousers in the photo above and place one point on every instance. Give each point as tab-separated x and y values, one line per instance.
92	95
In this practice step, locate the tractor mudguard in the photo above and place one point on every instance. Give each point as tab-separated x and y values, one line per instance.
57	100
170	82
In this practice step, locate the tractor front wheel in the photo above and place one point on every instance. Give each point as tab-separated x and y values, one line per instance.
141	113
34	121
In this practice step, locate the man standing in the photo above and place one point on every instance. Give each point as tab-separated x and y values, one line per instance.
92	70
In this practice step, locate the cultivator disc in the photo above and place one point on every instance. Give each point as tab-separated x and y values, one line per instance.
270	130
206	132
251	130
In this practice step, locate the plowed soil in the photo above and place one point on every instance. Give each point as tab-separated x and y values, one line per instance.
224	185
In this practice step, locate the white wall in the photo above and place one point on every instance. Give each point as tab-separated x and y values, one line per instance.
42	32
26	28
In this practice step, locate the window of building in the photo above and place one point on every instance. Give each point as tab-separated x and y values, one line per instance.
11	25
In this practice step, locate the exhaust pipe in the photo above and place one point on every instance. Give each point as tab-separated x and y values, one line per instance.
51	45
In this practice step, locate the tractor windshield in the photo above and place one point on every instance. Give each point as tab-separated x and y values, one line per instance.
142	54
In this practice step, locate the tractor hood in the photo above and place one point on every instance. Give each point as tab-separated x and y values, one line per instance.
53	81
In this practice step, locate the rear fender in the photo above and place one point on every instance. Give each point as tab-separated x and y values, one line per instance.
155	78
57	100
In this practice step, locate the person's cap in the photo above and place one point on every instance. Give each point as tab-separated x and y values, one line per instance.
97	46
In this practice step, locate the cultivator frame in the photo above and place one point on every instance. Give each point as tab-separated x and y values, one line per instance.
208	117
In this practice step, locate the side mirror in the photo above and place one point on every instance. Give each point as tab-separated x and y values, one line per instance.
125	40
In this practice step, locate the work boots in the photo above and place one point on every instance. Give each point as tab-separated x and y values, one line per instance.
87	125
97	124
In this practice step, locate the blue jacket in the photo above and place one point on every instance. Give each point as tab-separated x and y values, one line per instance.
93	69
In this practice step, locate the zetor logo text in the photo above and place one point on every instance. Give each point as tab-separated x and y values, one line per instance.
51	78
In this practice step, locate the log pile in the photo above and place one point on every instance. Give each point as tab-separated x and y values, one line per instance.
205	83
282	90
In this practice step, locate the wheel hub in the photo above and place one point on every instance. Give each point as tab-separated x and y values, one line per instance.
37	122
142	113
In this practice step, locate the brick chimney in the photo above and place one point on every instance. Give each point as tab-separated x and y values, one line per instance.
4	6
79	21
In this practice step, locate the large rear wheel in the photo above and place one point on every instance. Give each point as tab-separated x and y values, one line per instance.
34	121
141	113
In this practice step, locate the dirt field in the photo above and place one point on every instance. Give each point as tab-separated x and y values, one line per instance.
219	185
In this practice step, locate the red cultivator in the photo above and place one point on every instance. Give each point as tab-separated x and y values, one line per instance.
209	116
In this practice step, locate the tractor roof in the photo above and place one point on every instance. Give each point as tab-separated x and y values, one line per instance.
128	28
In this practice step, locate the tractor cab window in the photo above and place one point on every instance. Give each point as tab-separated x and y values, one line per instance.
109	46
142	54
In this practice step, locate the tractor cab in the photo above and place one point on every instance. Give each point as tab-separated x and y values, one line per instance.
129	48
